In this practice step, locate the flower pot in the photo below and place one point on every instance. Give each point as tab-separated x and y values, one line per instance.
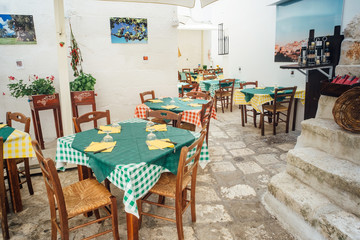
44	101
82	98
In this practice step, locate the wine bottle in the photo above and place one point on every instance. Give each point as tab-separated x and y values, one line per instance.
303	54
327	52
311	54
319	50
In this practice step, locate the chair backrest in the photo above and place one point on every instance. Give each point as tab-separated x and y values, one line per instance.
205	113
186	69
246	84
198	95
284	96
211	71
18	117
166	115
52	184
147	93
226	85
188	78
90	116
188	164
4	223
188	88
209	76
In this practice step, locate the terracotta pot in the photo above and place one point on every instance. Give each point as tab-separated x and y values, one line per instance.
44	101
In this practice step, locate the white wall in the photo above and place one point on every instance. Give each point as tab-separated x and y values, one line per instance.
119	69
251	27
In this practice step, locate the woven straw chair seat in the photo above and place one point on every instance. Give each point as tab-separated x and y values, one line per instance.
166	186
224	94
188	126
84	196
279	108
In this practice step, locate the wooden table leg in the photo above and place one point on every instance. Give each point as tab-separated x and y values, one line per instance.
132	227
56	119
40	135
14	185
294	116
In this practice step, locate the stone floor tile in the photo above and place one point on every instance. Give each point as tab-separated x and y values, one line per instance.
214	232
266	158
286	146
206	194
222	167
235	145
241	152
249	167
219	150
238	191
212	213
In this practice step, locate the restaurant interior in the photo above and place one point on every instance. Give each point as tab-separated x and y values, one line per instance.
188	119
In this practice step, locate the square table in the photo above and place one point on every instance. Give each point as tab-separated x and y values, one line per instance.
135	177
190	114
213	85
17	145
259	96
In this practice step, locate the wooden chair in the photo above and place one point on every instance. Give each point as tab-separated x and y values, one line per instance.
198	95
205	117
188	88
165	115
3	200
143	94
243	107
83	171
281	107
209	76
188	78
176	187
75	199
186	70
21	118
225	93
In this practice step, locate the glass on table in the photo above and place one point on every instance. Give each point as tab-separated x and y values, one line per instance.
172	101
107	137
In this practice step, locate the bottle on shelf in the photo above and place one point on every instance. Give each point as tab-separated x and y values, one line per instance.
311	54
327	56
303	54
318	50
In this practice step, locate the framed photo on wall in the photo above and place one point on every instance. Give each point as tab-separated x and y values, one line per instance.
295	18
17	29
128	30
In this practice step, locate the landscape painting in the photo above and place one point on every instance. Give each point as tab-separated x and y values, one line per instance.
128	30
17	29
295	18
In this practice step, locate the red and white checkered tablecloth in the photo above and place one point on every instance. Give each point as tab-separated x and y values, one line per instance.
190	116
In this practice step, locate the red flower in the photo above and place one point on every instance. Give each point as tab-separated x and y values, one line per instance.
11	78
3	94
52	78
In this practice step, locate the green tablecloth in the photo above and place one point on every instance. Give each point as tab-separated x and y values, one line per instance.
5	132
250	92
182	106
131	148
213	85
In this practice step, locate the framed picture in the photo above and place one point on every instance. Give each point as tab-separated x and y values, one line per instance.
17	29
19	64
128	30
295	18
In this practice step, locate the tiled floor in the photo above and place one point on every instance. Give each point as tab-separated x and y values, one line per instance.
229	191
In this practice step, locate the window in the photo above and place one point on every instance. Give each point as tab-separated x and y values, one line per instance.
223	47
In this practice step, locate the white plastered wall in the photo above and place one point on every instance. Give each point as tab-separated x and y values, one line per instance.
120	70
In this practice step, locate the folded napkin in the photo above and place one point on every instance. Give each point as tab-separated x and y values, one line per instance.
186	99
278	91
96	146
158	128
155	100
195	105
109	128
2	125
156	144
259	88
169	106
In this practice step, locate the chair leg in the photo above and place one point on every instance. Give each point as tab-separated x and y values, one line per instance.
274	123
215	104
242	115
245	113
193	210
161	199
53	231
97	215
222	104
287	122
262	124
231	104
139	204
114	218
254	117
27	175
179	224
107	184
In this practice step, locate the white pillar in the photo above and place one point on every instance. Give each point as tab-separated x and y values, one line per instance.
63	67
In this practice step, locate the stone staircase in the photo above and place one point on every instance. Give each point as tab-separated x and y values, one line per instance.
318	196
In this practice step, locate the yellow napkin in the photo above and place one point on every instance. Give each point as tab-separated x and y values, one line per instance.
155	100
158	128
186	99
259	88
2	125
95	146
221	76
156	144
278	91
169	106
109	128
195	105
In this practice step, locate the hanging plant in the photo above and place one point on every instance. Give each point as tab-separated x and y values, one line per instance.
75	55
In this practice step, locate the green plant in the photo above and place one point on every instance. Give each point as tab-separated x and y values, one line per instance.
36	86
84	82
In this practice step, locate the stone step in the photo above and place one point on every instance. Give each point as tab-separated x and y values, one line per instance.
326	135
328	219
336	178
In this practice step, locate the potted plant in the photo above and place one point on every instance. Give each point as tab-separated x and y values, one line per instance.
40	91
82	87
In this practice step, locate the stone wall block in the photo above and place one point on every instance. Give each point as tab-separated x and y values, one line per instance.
352	30
350	52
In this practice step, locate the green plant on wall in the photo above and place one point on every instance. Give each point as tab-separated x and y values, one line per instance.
83	82
37	86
